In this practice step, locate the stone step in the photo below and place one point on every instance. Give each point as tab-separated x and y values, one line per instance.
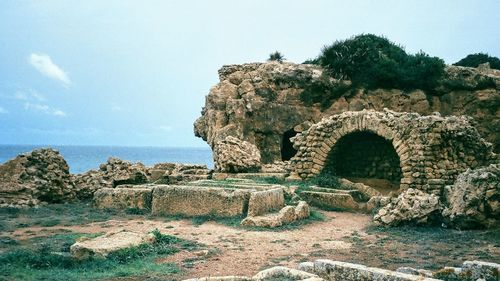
332	201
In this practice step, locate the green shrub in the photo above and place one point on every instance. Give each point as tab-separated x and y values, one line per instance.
474	60
373	62
276	56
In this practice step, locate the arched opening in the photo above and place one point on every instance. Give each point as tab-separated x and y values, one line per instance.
366	157
287	150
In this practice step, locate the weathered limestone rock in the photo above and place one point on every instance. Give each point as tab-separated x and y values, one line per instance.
283	273
474	199
38	176
199	201
117	172
102	246
285	216
123	198
336	270
236	156
259	102
411	206
267	201
113	173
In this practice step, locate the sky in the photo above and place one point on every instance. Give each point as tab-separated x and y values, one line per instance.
136	73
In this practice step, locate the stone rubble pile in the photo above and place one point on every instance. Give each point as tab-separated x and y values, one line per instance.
30	179
116	172
110	174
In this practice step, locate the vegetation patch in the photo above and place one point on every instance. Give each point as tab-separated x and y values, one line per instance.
474	60
48	258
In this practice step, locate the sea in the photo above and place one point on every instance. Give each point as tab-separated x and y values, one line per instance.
83	158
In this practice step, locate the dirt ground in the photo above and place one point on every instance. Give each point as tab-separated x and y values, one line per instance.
341	236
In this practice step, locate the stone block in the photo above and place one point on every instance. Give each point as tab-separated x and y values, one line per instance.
101	246
123	198
267	201
199	201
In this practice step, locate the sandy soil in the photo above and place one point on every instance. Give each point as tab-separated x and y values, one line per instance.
342	236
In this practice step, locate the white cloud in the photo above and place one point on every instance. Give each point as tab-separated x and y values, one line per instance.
20	96
43	108
44	64
115	107
3	110
59	113
166	128
29	94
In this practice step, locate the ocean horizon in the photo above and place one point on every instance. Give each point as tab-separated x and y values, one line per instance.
82	158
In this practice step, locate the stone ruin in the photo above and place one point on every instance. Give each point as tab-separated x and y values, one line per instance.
389	148
261	205
405	149
329	270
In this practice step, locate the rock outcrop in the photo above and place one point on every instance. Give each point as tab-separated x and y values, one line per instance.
236	156
40	176
260	103
474	200
411	206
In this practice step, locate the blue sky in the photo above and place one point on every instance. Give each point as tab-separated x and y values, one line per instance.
136	72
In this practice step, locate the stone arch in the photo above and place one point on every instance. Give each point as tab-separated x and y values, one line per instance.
432	149
354	125
364	156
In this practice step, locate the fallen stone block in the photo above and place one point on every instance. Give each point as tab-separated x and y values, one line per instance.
302	211
123	198
283	273
263	202
286	215
336	270
199	201
102	246
221	278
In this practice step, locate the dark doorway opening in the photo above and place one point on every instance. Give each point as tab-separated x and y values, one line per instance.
287	150
366	157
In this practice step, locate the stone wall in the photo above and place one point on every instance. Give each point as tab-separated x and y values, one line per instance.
260	103
432	150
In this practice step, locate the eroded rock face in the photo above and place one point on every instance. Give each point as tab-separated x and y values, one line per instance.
260	102
236	156
474	200
411	206
35	177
